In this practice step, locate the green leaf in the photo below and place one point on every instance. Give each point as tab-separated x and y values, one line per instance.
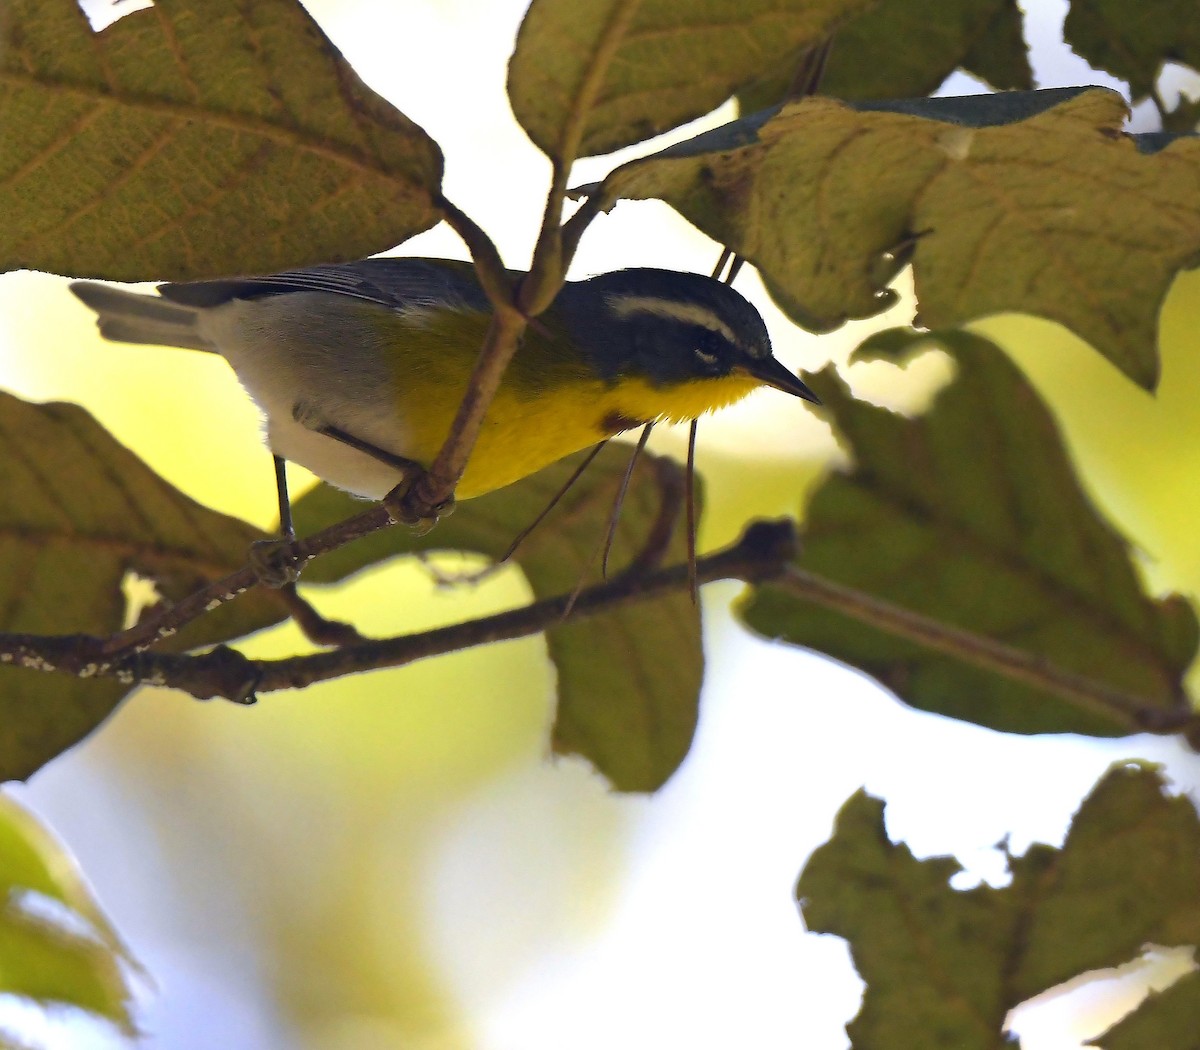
904	48
629	679
49	961
973	515
1132	41
80	512
1167	1020
1005	204
196	138
591	76
943	968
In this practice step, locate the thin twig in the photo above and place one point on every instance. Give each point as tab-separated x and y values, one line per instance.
690	500
316	628
563	489
614	517
810	71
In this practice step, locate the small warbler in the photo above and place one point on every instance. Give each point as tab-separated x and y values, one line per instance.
359	367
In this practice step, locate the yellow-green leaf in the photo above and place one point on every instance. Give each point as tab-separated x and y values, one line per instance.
1006	205
628	679
972	514
42	958
80	512
196	138
944	967
591	76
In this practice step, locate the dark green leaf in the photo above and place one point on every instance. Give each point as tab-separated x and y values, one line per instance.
1132	41
590	76
944	967
973	515
628	680
196	138
1058	214
901	48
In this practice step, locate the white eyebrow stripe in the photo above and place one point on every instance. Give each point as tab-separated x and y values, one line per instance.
688	313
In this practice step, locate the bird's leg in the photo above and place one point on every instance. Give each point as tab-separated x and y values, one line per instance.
269	559
409	469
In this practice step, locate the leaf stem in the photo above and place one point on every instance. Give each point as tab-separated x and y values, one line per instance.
1135	712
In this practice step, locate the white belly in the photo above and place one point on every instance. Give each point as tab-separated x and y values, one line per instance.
314	355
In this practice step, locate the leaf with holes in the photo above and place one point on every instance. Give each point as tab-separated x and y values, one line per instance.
944	967
629	679
196	138
972	514
906	48
1024	201
80	512
42	958
591	76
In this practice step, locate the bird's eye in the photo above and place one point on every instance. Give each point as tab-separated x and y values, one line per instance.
709	349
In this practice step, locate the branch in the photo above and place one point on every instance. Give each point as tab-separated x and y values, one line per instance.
298	553
761	553
764	554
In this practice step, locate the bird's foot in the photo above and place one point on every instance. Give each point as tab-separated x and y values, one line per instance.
406	505
274	562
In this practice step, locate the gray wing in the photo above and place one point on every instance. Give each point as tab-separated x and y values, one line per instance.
394	283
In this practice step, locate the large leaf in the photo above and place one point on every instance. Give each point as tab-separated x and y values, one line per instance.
590	76
629	679
1132	41
80	512
42	958
1013	206
194	138
943	968
973	515
906	48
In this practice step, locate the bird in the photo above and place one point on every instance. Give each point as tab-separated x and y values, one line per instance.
358	368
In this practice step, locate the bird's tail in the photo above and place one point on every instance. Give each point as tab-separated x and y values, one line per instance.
130	317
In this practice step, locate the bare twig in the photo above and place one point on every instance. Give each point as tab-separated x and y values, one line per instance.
810	70
169	621
315	627
759	555
764	554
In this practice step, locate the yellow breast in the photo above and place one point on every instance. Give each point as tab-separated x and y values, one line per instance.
548	406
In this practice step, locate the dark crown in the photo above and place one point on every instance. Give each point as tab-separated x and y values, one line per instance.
663	325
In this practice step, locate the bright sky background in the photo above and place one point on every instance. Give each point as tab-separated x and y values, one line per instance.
692	938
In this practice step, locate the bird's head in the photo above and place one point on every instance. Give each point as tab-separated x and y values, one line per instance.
670	328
